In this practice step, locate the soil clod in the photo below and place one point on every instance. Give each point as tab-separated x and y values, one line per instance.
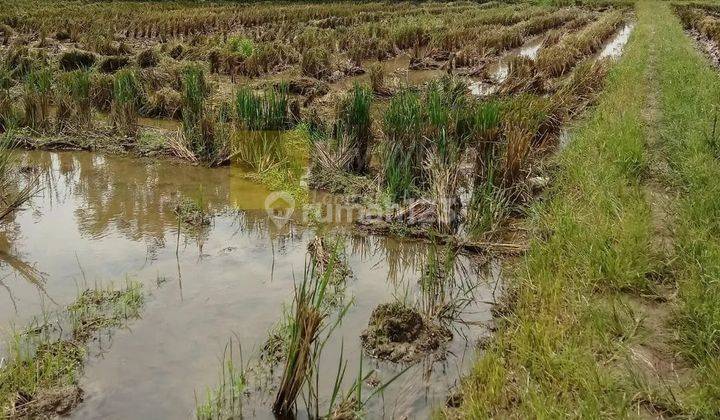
398	333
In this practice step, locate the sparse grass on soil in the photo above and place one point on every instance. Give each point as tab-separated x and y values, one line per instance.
40	376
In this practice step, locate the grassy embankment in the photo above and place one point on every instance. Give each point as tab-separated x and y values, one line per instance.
690	101
594	289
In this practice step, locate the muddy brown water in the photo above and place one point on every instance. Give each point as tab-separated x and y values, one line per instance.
100	220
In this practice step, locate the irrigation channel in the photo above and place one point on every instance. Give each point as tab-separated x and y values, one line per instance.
101	219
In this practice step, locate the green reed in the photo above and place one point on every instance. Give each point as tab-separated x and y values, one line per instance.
126	97
37	91
196	124
266	111
74	106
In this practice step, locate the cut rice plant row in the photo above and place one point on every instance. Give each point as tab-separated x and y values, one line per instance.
321	41
702	18
560	58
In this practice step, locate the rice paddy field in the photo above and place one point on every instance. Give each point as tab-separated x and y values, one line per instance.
344	210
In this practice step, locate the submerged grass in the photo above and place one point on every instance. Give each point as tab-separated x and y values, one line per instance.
354	126
14	191
74	106
278	159
36	99
44	363
227	400
552	355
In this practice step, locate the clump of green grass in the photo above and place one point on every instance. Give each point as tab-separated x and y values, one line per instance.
304	327
240	45
74	105
403	151
353	126
268	111
341	154
264	143
426	135
487	122
37	93
98	309
193	213
196	124
43	367
125	99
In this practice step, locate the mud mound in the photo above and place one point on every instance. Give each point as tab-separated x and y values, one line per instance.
400	334
48	403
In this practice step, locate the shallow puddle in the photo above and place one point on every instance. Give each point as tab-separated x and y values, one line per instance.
615	47
498	70
394	68
102	219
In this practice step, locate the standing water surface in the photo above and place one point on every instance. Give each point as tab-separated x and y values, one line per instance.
100	220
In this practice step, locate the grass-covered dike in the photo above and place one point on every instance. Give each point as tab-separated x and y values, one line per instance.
599	321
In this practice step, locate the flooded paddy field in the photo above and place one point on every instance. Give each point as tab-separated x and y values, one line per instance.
316	200
102	219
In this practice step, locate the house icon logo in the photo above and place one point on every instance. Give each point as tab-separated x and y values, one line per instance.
280	206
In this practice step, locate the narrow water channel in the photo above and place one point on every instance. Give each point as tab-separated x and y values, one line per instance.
100	220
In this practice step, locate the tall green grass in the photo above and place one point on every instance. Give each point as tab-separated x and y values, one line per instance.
240	45
37	93
125	102
353	126
689	94
428	133
195	120
267	111
74	105
304	330
403	150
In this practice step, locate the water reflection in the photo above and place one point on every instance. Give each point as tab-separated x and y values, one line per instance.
102	219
